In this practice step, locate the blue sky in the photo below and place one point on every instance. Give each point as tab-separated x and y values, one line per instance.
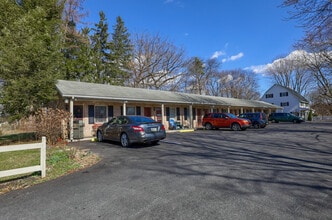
242	34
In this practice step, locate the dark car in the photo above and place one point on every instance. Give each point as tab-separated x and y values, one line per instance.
131	129
284	117
225	120
257	119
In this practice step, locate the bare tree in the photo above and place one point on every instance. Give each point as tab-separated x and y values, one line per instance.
281	72
156	64
72	15
321	103
315	17
291	72
238	84
200	76
320	68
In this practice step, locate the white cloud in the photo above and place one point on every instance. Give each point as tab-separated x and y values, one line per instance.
296	57
233	58
260	69
217	54
174	2
236	57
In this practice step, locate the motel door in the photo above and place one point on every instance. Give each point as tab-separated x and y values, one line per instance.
147	112
172	113
158	114
199	117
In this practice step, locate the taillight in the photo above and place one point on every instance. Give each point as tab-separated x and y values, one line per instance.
162	127
137	129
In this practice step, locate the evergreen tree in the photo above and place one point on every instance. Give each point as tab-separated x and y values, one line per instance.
74	41
121	51
196	76
84	65
29	46
101	51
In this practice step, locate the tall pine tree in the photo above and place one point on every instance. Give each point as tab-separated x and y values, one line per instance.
101	51
121	51
29	46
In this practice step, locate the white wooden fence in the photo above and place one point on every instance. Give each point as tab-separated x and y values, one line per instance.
41	167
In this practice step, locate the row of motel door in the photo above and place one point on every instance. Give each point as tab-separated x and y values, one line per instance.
172	114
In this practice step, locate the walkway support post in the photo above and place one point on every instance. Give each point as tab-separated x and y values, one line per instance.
71	123
124	108
191	116
163	114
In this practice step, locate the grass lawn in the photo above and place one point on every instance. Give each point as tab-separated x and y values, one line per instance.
60	160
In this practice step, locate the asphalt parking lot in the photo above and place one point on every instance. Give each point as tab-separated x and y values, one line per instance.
281	172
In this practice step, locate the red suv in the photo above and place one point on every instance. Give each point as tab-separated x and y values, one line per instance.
225	120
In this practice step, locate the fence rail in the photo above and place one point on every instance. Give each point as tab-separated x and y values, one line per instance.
41	167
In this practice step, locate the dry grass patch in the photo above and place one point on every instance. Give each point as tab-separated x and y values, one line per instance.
61	160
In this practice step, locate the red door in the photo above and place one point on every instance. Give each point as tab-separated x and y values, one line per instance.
147	111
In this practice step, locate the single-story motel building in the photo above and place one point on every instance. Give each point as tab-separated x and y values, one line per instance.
92	104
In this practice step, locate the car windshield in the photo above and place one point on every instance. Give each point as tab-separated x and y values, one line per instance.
231	115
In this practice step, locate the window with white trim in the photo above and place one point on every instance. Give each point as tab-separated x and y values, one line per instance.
269	95
282	94
284	104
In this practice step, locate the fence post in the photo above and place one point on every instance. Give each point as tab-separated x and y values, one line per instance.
43	157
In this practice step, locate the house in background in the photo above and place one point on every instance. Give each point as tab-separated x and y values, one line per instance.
288	99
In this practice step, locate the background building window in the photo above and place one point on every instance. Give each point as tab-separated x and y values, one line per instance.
284	104
269	96
282	94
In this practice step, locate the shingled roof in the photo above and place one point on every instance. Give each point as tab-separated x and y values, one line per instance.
93	91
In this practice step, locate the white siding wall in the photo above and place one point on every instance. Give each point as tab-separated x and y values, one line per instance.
294	103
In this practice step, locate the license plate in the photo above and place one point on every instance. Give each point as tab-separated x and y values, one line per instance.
154	129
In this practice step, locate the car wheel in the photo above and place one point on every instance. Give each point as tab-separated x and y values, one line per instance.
154	142
99	136
124	140
235	127
294	121
208	126
256	125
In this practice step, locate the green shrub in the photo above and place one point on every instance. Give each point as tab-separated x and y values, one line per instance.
310	115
